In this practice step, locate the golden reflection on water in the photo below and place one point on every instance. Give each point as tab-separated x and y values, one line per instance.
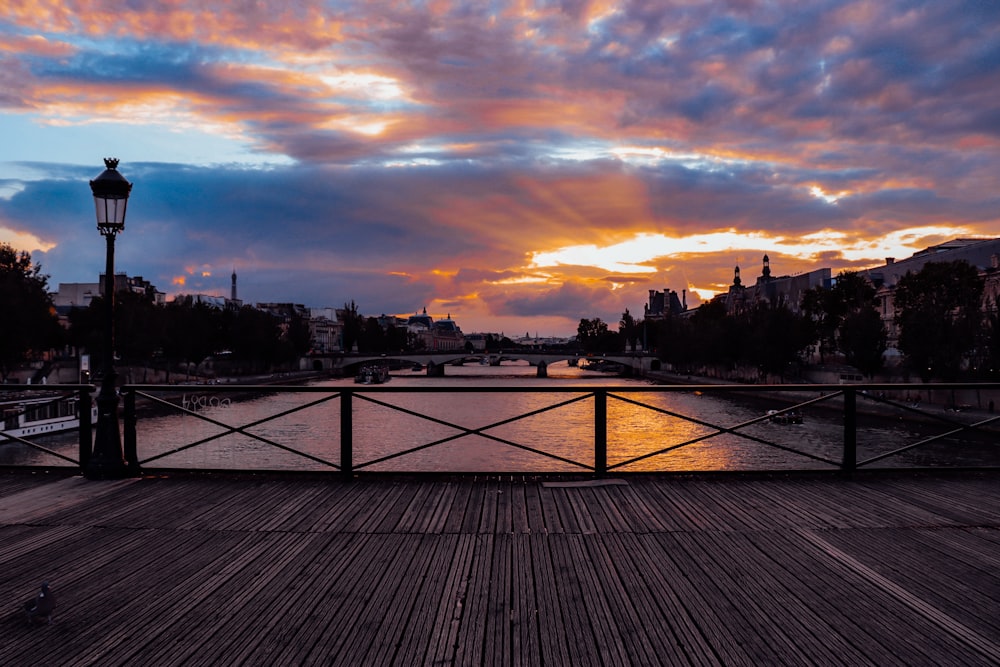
667	442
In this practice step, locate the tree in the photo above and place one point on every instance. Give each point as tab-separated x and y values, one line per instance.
714	338
353	325
938	311
28	323
864	340
138	327
372	338
988	363
254	338
828	309
297	337
192	332
629	329
589	331
777	337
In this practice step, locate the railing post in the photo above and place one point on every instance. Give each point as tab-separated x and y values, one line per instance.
86	433
850	461
346	434
600	431
129	448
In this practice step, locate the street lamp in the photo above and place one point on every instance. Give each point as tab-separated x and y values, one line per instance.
111	192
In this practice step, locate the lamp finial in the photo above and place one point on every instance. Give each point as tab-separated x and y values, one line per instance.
111	162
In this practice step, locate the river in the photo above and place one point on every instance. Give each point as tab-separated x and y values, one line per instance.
565	434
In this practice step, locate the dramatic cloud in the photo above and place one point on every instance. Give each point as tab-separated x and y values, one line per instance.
519	166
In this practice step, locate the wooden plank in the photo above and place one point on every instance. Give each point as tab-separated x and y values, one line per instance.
520	521
349	624
401	615
534	514
450	608
553	636
572	602
436	516
454	513
334	573
550	509
634	504
488	515
372	516
339	510
210	631
622	626
415	507
777	612
717	615
903	556
496	619
675	634
525	648
474	508
433	613
875	622
474	623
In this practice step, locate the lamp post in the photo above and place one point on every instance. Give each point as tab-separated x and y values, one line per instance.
111	192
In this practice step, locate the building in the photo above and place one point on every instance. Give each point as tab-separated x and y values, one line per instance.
79	295
440	336
326	332
983	254
665	303
783	290
136	285
75	295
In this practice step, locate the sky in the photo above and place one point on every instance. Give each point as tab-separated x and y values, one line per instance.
516	165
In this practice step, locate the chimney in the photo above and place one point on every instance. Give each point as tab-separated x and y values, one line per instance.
684	299
889	261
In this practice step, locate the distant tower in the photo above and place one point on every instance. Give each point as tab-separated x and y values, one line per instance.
736	277
766	273
232	296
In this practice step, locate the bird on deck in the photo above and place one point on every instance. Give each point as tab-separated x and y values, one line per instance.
40	607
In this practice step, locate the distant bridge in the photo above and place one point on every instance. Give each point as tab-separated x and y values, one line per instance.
636	363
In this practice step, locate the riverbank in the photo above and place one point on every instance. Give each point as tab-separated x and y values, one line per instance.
918	402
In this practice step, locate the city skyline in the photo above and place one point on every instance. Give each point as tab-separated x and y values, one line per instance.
517	166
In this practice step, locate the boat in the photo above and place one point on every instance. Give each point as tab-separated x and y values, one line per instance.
40	415
789	417
372	374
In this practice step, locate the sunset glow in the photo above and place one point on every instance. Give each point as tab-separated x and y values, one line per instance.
517	165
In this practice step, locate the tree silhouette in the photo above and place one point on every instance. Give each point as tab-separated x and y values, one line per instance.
28	325
864	341
938	311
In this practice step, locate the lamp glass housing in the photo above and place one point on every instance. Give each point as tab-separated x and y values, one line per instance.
111	192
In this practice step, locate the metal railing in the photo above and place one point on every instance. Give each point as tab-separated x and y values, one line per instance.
601	454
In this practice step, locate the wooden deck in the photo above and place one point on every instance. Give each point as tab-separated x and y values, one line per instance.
882	570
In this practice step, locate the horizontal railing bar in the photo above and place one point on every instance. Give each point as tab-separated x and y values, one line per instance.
12	388
527	388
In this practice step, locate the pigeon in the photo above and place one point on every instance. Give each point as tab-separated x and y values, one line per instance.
40	607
